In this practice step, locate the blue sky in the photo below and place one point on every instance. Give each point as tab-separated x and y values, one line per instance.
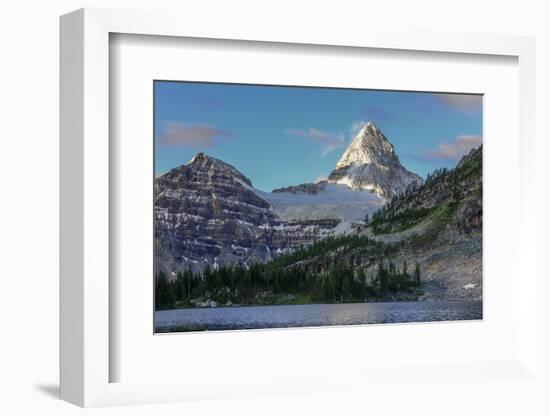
281	136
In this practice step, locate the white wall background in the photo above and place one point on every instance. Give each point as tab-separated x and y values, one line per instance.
29	205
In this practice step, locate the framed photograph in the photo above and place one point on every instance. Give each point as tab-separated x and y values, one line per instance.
326	227
311	203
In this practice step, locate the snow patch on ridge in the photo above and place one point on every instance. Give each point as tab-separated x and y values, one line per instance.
335	201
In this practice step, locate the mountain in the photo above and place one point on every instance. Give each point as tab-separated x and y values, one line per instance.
440	225
370	163
207	213
437	224
366	176
425	243
446	194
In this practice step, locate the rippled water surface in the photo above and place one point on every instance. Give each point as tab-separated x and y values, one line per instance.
285	316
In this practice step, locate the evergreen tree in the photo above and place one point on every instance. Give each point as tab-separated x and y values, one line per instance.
382	279
417	274
162	291
361	275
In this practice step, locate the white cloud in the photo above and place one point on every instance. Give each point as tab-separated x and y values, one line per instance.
198	135
454	150
463	102
328	141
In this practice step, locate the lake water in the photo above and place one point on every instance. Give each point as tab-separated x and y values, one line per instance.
286	316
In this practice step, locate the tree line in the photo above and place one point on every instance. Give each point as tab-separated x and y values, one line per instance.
266	284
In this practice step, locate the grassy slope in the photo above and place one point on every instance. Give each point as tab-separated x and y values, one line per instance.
434	203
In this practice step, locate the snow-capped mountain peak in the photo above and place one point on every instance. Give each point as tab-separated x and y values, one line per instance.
370	163
369	146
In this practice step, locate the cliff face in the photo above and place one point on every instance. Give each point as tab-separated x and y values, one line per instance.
205	213
208	214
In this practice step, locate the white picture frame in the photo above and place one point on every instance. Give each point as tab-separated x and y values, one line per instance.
86	356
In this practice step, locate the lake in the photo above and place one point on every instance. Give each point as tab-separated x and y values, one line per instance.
287	316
